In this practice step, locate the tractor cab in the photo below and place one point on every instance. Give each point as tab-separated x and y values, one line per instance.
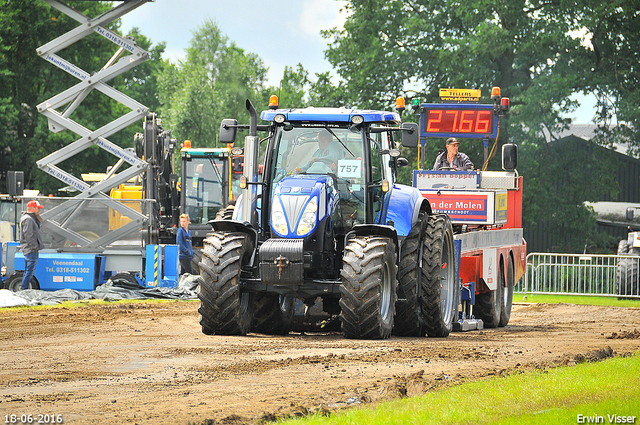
322	167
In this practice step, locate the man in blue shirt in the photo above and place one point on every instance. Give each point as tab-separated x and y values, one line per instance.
185	248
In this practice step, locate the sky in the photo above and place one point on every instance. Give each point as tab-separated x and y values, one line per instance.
281	32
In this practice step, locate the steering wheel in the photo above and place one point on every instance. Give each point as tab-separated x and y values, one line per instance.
321	166
448	168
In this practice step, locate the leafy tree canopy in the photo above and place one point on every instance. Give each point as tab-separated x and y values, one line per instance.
212	84
539	52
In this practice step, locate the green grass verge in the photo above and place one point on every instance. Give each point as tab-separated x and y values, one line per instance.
575	299
84	303
553	396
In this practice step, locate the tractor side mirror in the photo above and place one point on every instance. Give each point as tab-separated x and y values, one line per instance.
228	129
509	156
409	136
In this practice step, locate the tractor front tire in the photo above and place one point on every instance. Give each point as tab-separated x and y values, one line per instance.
440	292
224	308
368	289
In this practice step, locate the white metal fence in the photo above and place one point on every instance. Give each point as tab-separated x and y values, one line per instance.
582	274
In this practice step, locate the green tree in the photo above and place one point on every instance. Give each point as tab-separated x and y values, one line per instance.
293	85
297	89
323	92
212	84
537	51
611	70
417	47
141	83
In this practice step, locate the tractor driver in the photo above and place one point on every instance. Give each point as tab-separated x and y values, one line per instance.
451	159
329	152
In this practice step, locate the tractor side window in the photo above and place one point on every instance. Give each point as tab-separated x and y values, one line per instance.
7	211
237	166
282	156
350	182
376	175
376	162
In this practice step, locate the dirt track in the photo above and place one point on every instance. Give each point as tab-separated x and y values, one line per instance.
149	363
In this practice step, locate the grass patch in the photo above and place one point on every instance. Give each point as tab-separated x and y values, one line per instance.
84	303
575	299
553	396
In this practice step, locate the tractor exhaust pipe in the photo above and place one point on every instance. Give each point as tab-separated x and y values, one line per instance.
251	168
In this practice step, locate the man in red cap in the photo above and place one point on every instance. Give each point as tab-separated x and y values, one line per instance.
30	240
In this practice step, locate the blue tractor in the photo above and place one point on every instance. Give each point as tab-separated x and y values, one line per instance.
328	223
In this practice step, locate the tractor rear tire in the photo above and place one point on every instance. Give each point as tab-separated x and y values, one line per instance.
623	247
440	292
507	299
627	273
368	289
224	308
409	320
272	314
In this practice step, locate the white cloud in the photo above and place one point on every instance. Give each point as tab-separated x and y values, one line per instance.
317	15
174	54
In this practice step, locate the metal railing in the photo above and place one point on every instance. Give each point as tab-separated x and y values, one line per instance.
582	274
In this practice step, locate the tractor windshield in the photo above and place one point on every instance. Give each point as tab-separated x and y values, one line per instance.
204	183
335	151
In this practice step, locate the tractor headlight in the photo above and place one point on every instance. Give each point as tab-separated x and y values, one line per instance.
278	218
308	217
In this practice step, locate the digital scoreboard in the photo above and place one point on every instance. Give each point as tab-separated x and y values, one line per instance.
458	120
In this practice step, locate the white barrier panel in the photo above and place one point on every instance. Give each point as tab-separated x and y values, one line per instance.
582	274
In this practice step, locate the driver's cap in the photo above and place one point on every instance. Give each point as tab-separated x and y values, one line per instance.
34	204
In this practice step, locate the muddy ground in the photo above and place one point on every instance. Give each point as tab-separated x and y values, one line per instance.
150	363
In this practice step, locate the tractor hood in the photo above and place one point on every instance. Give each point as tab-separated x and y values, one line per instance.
299	203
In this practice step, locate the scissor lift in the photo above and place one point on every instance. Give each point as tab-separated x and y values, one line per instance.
114	250
59	109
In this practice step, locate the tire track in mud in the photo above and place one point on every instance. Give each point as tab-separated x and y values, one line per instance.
149	362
